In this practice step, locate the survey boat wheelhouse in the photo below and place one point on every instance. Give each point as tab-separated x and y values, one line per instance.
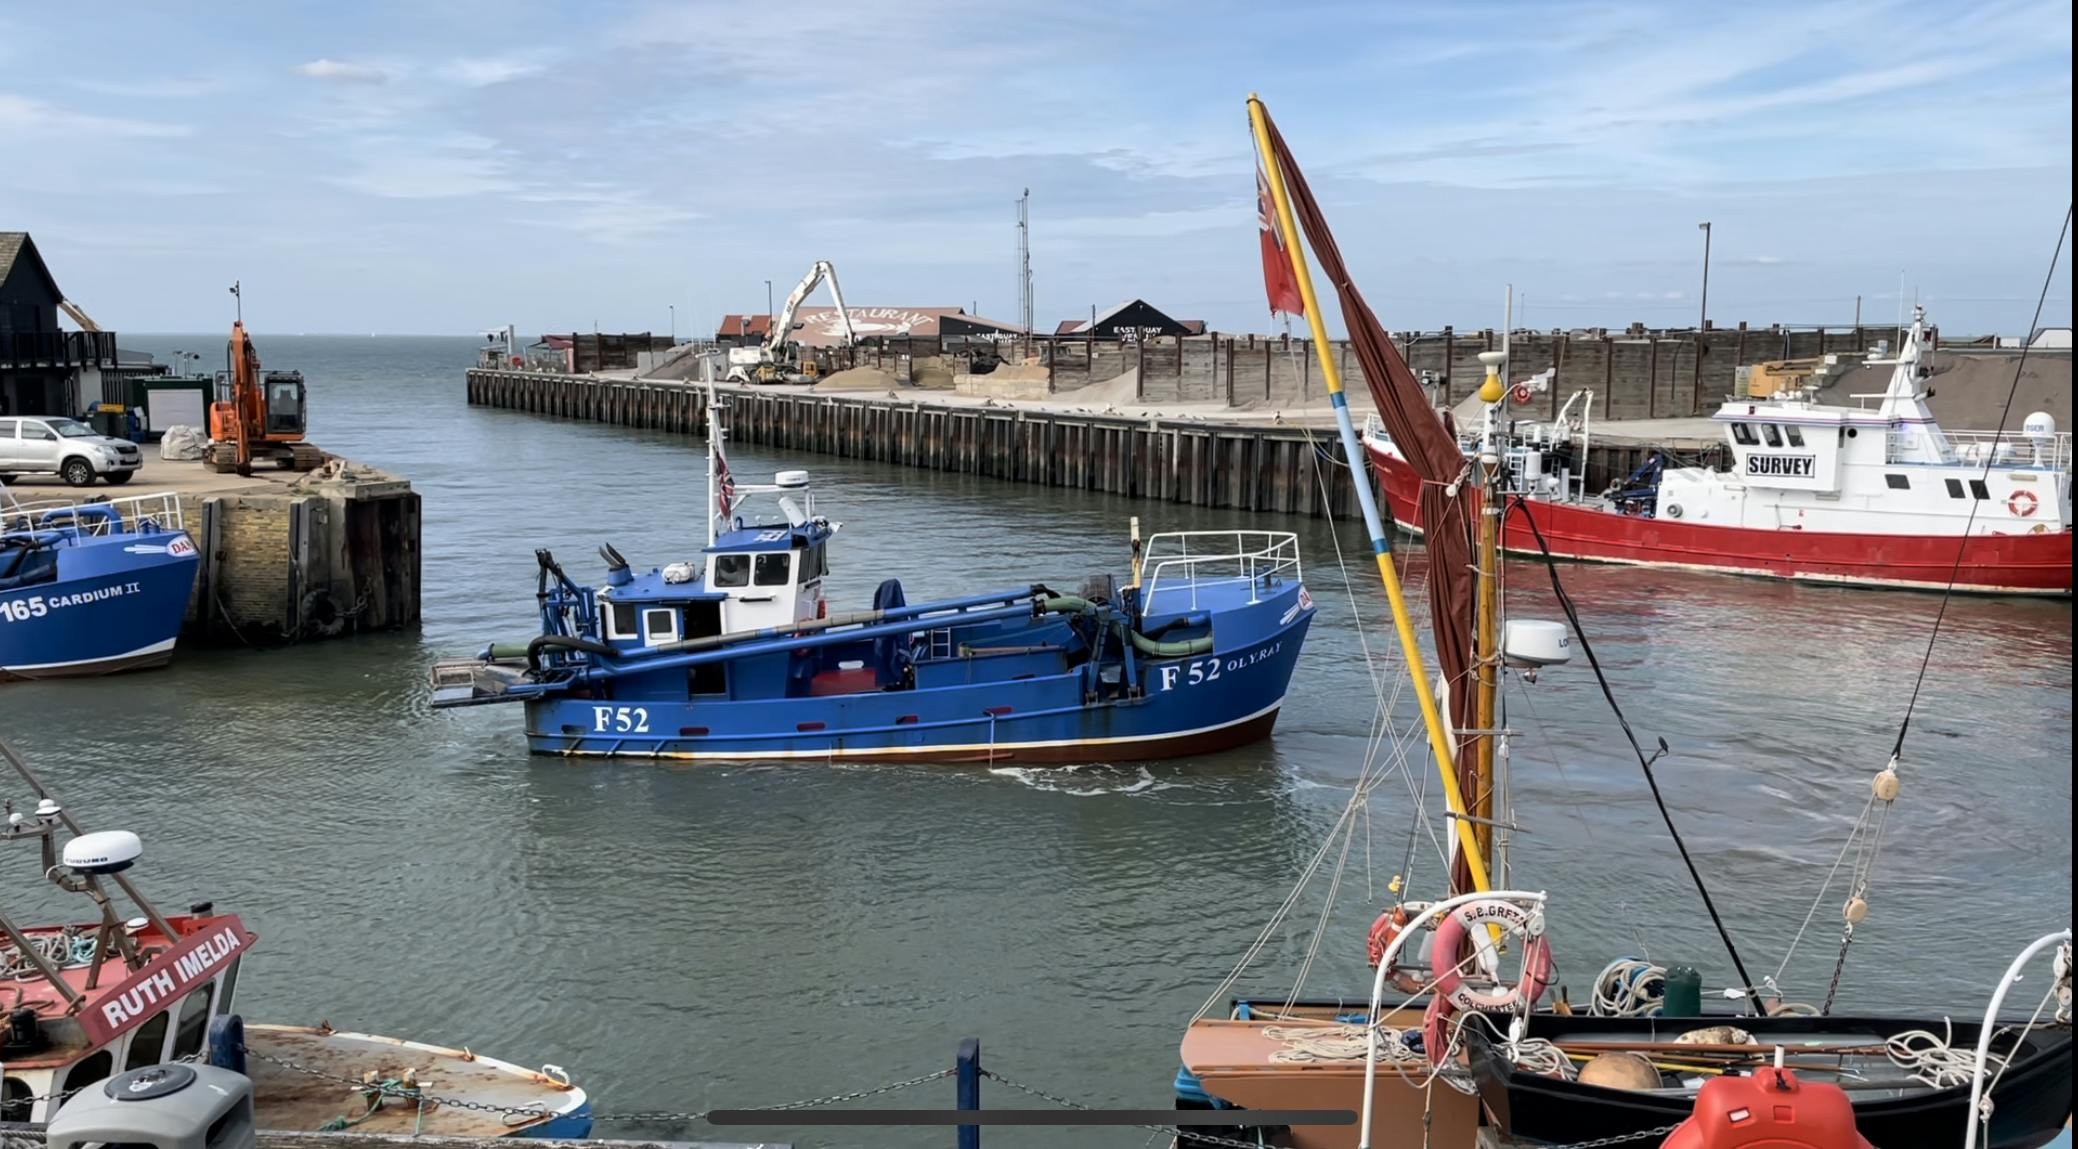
738	656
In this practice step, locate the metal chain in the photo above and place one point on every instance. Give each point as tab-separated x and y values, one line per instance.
1234	1143
810	1103
393	1089
1832	988
1620	1138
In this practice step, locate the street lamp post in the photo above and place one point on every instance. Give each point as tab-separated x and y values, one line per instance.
768	301
674	325
1704	321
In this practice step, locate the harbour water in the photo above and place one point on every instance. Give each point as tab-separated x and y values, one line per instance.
687	937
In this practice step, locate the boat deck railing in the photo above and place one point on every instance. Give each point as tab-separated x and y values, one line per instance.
96	518
1185	562
2011	449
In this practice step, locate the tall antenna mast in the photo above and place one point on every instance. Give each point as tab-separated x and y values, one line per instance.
1024	266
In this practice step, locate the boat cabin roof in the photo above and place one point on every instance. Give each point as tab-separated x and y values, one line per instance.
1743	411
198	954
753	537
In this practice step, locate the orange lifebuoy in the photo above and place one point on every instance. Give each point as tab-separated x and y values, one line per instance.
1522	394
1451	934
2022	503
1383	932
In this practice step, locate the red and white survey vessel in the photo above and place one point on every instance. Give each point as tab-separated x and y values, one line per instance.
1869	497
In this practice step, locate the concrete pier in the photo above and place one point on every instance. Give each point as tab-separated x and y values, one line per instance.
286	557
1266	466
1256	461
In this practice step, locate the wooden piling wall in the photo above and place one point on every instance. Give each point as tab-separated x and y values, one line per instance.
1251	467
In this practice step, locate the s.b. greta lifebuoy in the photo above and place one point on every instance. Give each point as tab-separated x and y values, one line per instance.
2022	503
1527	926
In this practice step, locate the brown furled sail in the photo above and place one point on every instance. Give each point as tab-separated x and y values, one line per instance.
1447	495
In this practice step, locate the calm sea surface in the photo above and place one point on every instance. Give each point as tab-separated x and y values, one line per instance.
687	937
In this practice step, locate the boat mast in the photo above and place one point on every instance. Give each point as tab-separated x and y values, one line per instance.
1381	543
714	432
1487	562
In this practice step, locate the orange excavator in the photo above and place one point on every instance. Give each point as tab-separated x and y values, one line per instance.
257	416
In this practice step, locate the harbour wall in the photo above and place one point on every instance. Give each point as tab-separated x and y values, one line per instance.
297	561
1287	468
1635	374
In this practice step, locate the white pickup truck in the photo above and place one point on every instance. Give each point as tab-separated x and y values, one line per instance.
67	448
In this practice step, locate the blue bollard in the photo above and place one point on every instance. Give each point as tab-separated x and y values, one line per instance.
967	1078
227	1042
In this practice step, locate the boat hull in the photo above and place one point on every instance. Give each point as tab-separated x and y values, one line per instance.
1225	699
2033	1097
522	1102
2025	564
116	605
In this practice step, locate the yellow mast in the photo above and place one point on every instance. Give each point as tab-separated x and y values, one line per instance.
1486	638
1403	625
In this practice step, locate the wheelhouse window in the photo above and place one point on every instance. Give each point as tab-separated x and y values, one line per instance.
1897	482
814	564
660	625
774	568
17	1099
193	1028
148	1042
88	1070
1772	434
1955	488
731	570
230	986
1794	434
1978	490
621	620
1742	434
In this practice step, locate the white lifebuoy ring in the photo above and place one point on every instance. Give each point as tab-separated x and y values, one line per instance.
2022	503
1525	925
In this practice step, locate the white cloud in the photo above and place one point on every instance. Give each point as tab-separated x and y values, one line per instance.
488	71
339	72
449	167
23	117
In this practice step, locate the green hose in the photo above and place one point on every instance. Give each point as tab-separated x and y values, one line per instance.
1188	648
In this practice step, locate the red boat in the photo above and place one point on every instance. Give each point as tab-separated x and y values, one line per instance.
1879	497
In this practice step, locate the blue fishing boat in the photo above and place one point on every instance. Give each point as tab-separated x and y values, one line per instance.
736	655
91	588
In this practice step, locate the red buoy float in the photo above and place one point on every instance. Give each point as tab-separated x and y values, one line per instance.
1771	1109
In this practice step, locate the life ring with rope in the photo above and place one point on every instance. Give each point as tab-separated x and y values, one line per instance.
2022	503
1522	394
1383	931
1526	925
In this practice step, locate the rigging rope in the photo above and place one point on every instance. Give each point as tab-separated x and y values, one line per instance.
1565	601
1990	455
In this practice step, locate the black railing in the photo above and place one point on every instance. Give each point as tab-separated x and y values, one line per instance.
28	349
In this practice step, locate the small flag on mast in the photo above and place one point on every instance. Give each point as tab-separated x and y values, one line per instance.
724	485
1278	280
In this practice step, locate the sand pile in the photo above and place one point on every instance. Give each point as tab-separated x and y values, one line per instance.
858	379
931	373
1116	391
1970	390
1018	373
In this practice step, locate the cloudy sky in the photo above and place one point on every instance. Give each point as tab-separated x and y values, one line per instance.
440	168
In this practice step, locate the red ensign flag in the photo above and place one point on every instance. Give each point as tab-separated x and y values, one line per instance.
1278	281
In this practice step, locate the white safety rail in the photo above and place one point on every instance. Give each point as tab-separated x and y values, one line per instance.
95	518
1180	562
1970	448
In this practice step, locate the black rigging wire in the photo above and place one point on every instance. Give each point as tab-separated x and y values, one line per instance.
1565	602
1991	453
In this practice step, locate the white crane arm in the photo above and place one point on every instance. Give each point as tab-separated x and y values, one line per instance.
783	326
